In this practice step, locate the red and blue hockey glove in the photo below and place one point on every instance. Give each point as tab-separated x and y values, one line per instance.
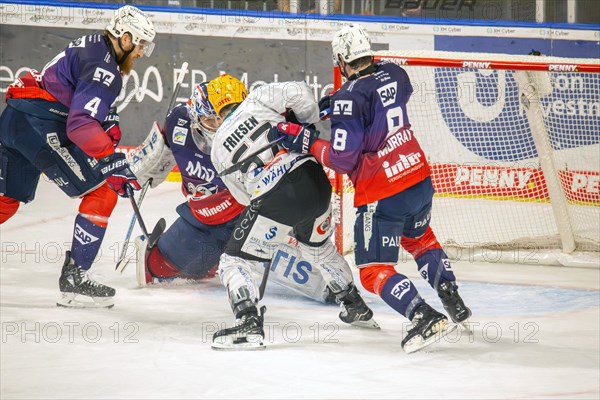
115	169
111	126
297	138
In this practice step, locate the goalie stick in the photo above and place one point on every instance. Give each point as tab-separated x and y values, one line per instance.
122	261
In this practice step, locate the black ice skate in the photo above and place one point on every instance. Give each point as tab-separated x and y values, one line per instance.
354	310
453	303
79	290
247	334
428	326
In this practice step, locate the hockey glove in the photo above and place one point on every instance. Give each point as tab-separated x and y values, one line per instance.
111	126
115	169
325	107
297	138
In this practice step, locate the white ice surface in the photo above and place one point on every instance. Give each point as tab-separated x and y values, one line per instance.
537	332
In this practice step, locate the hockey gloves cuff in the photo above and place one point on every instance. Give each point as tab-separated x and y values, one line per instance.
111	126
325	107
297	138
115	169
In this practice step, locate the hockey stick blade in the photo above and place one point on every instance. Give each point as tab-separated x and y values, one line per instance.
238	165
158	230
130	229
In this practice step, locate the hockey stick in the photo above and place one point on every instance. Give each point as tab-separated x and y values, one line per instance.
121	260
130	230
240	164
136	210
263	282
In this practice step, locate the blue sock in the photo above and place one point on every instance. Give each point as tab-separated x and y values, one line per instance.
434	267
87	238
400	294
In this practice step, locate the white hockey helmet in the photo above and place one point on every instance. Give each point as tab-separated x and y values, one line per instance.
133	20
351	42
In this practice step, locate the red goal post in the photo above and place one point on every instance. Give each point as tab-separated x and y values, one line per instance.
514	145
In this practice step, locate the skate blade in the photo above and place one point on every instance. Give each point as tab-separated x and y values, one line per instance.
465	326
248	343
370	324
73	300
441	329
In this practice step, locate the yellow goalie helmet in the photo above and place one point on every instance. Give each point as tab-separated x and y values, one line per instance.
205	104
225	90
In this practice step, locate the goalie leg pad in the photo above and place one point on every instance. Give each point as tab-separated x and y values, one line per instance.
290	270
332	266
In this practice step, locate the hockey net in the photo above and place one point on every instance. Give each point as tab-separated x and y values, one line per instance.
513	142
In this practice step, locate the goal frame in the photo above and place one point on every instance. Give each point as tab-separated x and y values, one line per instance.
529	74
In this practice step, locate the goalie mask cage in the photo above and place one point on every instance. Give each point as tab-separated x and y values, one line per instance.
513	144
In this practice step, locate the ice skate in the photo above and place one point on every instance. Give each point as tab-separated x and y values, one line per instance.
354	310
453	304
79	290
428	327
247	334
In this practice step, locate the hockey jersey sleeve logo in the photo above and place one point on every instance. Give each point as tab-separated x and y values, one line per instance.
342	107
179	135
387	93
103	76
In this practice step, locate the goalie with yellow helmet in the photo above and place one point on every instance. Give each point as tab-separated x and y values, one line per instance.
192	245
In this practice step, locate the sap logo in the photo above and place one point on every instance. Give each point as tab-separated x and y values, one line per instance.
390	241
446	264
476	64
103	76
423	271
401	288
272	233
179	135
562	68
342	107
387	93
84	237
77	42
302	269
181	121
424	221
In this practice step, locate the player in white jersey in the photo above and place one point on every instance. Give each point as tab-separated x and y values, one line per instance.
192	245
286	192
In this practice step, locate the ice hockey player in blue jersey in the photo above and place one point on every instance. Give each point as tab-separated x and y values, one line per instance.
372	141
60	122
